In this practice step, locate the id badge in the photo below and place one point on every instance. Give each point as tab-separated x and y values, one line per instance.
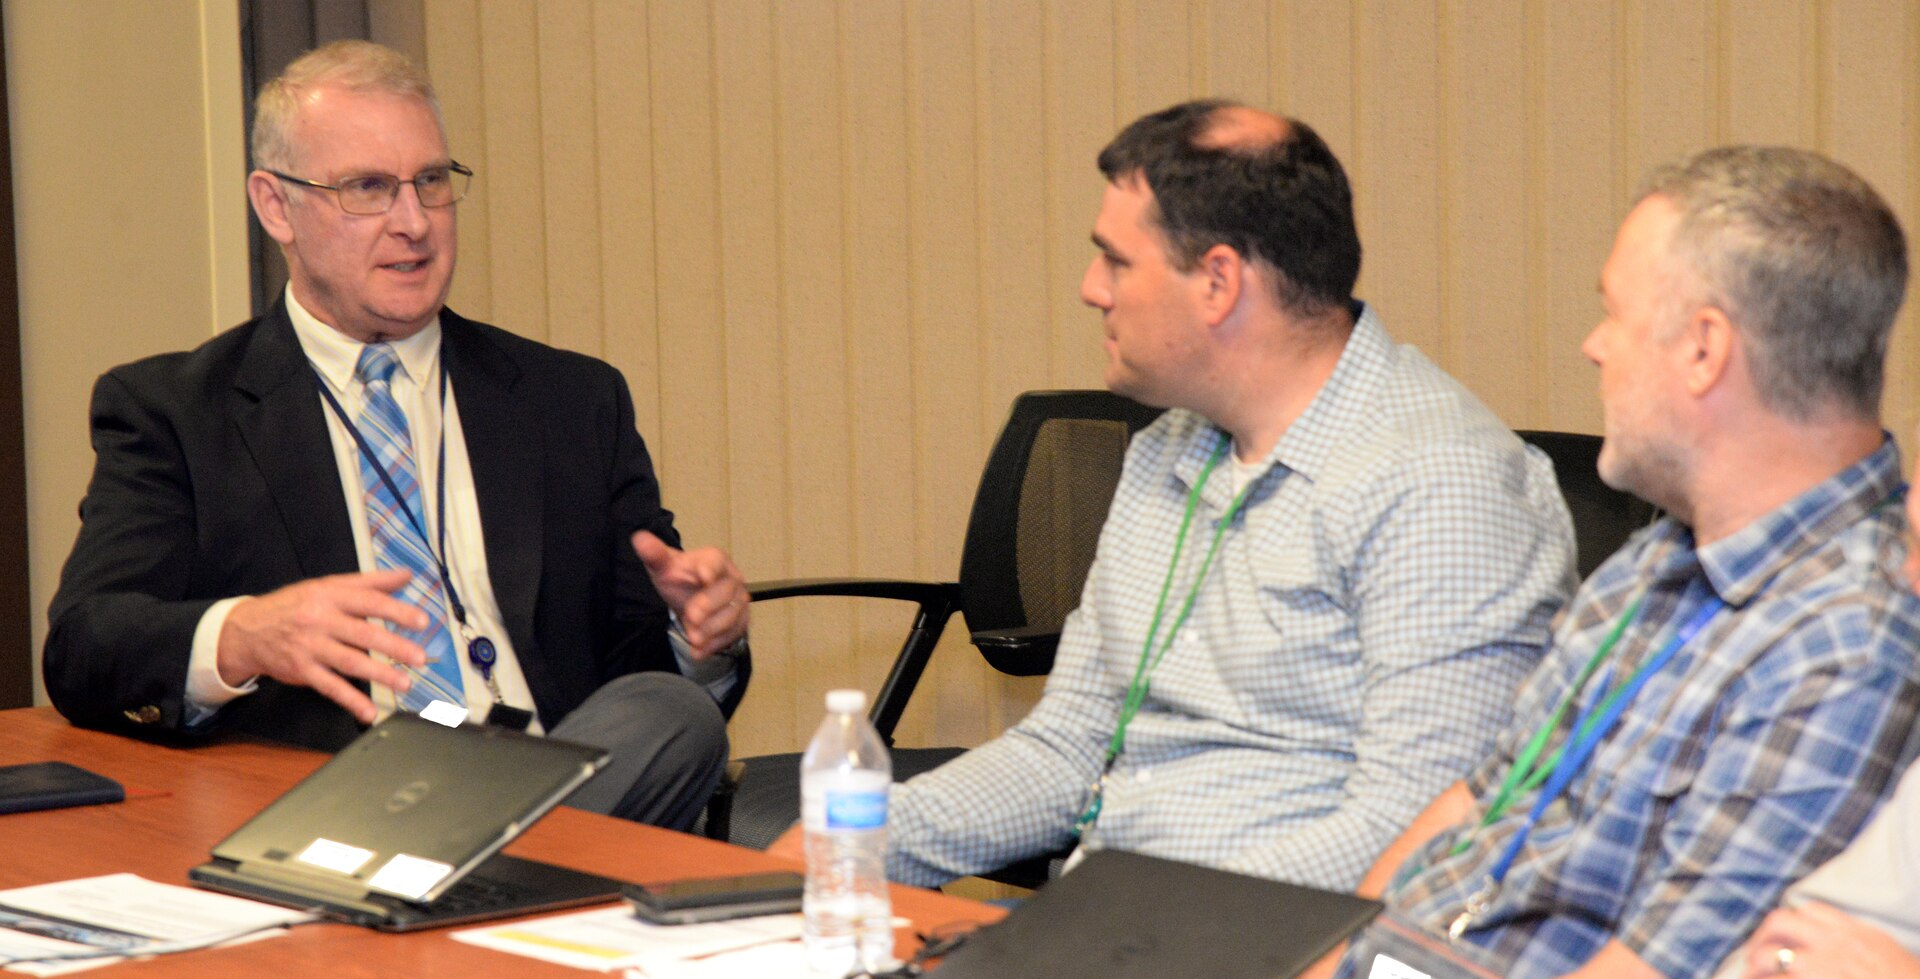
1394	948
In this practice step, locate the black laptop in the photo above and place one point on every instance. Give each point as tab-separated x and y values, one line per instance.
402	830
1122	915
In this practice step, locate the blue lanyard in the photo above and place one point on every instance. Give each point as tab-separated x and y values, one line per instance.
1588	730
1593	723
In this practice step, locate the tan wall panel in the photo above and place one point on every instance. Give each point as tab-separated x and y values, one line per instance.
1484	283
570	191
624	134
1574	124
812	271
129	169
1080	118
1236	60
454	57
516	200
1400	164
1861	33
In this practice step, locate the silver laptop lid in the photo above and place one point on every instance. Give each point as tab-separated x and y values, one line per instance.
410	807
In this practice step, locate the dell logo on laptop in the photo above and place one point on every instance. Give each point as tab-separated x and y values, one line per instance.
408	796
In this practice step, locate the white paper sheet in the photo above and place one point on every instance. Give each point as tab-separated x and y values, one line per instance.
607	939
119	915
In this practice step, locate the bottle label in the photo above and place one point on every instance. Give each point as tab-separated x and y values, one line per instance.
856	810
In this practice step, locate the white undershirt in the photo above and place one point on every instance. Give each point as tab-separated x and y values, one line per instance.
415	387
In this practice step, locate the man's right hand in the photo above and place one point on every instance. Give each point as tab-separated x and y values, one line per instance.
315	633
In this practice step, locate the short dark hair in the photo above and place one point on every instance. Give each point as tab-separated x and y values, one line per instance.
1805	257
1285	204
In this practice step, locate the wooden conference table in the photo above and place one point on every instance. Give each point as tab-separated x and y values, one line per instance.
181	801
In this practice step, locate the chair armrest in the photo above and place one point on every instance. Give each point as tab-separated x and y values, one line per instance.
937	601
1026	651
905	591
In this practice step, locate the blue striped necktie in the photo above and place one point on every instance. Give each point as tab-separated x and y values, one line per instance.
398	541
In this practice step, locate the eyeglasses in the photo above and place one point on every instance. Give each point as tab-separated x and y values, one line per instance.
374	193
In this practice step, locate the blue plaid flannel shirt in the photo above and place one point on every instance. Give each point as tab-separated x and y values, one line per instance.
1753	757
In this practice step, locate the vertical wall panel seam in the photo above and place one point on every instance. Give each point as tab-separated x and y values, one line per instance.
1719	42
716	207
1534	143
1279	65
849	350
599	191
546	184
1049	215
480	121
1813	76
1444	51
782	353
207	169
654	90
1199	48
982	223
916	288
1357	94
1621	116
1908	115
1631	52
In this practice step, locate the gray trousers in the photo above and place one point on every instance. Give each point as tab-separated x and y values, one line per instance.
669	745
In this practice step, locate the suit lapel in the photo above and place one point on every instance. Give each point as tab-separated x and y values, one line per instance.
278	413
505	449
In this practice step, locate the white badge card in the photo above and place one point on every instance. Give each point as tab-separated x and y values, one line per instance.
409	877
1388	967
341	858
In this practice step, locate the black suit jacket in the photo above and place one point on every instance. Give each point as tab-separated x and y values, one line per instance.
214	477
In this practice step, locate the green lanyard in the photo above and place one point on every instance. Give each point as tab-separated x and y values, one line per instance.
1150	657
1525	776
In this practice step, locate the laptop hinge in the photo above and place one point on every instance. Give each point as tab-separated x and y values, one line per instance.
335	887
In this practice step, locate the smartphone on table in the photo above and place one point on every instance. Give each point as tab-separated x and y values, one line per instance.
686	902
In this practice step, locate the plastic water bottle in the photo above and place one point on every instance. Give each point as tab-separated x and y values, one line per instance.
844	779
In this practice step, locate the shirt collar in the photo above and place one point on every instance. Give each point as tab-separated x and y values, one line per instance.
1741	564
334	354
1323	428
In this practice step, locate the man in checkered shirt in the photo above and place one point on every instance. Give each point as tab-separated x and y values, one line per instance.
1368	566
1747	305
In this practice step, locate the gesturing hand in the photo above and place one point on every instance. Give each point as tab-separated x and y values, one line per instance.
702	587
315	633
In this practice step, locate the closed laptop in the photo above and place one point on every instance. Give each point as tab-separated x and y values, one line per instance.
402	829
1123	915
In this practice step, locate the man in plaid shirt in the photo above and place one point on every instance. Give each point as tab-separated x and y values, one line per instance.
1760	639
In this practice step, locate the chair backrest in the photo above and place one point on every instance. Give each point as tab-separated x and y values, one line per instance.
1042	500
1603	517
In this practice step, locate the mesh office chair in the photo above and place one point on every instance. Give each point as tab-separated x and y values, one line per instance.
1030	539
1603	517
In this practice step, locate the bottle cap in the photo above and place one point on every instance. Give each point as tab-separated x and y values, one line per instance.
846	701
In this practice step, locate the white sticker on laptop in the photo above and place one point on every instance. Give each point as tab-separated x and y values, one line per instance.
444	712
409	877
1388	967
337	857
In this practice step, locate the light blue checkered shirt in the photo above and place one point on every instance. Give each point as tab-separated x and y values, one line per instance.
1747	761
1353	651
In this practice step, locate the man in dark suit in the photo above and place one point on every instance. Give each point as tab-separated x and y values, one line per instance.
362	502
